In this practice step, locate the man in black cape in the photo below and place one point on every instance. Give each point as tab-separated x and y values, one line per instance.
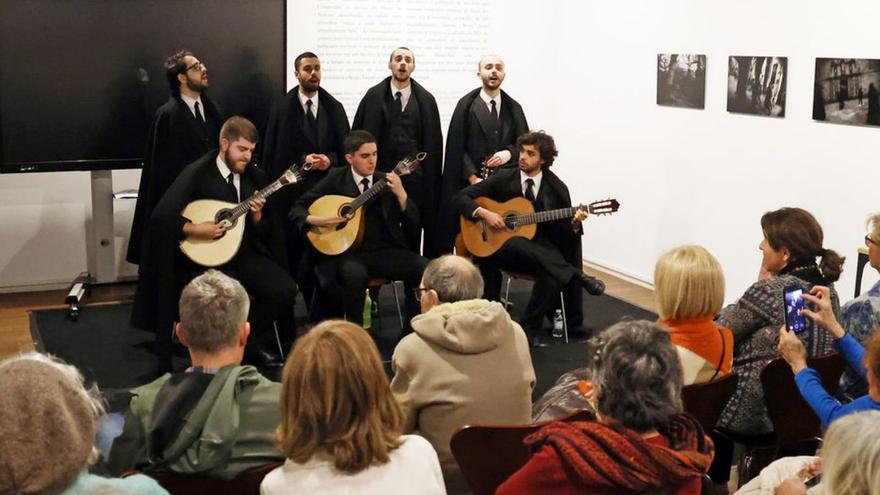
294	136
553	257
403	117
260	263
183	129
482	132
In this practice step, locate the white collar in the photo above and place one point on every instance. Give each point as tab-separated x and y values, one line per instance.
303	99
358	178
191	103
486	99
404	92
536	179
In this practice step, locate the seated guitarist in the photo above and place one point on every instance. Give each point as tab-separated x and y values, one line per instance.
383	251
225	175
553	256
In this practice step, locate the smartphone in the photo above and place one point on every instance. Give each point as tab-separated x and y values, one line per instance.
794	304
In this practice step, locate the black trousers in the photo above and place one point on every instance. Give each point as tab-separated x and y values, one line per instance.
354	271
538	259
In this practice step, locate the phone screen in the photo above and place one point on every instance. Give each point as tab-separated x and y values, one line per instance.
794	320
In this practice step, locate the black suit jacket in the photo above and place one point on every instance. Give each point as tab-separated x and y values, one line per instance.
174	141
159	284
466	147
505	184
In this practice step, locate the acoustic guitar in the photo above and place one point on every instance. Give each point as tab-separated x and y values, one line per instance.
340	238
215	252
521	221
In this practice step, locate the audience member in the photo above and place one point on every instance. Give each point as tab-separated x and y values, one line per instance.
861	316
792	243
217	417
689	289
48	422
342	427
866	365
640	439
467	361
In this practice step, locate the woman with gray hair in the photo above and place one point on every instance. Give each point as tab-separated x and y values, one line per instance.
48	422
640	439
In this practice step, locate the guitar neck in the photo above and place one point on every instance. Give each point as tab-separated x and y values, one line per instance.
377	187
546	216
242	208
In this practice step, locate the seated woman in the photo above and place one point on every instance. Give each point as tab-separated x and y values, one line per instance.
792	243
689	289
48	420
861	316
341	427
865	364
640	439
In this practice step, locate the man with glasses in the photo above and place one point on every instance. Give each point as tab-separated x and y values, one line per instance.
183	129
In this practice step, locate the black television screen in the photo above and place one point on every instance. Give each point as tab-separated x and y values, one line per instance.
81	79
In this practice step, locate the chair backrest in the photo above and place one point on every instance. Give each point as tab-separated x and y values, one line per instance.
793	419
246	483
489	454
705	401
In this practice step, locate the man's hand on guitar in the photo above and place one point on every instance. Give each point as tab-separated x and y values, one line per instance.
494	161
578	218
396	187
492	219
318	161
256	206
317	221
473	179
204	230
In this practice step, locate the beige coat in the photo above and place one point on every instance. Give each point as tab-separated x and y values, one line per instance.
466	363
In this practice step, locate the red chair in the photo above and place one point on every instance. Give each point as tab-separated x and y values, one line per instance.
705	401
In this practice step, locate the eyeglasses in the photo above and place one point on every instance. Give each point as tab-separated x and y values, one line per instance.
197	66
419	291
869	241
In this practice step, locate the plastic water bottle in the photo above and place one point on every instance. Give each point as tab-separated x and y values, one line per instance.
368	311
558	324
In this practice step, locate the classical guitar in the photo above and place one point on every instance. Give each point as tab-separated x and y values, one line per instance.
215	252
521	221
340	238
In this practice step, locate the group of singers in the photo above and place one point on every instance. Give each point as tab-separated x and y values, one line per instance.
193	153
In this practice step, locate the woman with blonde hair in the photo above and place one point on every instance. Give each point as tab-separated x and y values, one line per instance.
341	427
689	289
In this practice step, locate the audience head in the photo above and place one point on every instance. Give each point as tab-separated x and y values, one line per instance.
537	144
491	72
48	420
636	375
402	63
872	240
851	454
307	68
793	237
213	315
688	284
336	400
448	279
183	69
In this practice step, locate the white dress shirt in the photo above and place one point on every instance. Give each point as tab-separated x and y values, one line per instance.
503	154
358	178
405	93
224	171
303	99
536	179
191	103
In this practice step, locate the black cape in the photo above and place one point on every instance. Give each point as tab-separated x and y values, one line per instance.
175	140
452	183
371	116
163	270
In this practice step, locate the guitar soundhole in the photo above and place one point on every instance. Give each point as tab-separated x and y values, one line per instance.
510	222
224	215
346	211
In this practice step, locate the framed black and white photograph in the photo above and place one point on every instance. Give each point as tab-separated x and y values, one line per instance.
756	85
681	80
845	91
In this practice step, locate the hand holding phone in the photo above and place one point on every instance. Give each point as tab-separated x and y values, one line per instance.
794	304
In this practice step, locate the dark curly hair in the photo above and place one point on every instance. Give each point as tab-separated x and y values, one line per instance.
543	142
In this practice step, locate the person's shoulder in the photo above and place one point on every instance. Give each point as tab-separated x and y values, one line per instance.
421	92
415	446
468	97
506	98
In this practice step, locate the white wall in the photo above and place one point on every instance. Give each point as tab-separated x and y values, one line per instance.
586	73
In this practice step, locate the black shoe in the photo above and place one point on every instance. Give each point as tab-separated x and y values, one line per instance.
592	285
263	358
535	342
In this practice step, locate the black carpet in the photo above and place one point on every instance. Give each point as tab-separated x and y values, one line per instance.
108	351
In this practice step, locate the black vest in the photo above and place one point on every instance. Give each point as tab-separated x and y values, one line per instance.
404	133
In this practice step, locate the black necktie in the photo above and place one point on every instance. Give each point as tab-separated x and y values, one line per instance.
530	191
494	110
311	121
230	180
398	98
366	183
199	114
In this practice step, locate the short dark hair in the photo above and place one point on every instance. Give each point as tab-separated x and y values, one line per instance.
355	139
237	127
175	65
798	231
543	142
301	56
391	57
